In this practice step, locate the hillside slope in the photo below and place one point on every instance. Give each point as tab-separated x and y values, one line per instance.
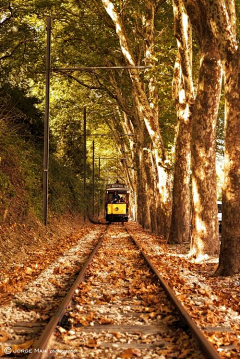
21	228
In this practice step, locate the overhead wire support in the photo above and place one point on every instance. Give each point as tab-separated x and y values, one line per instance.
84	68
109	135
48	72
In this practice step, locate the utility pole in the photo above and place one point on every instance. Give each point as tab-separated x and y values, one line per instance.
46	124
84	158
93	179
99	169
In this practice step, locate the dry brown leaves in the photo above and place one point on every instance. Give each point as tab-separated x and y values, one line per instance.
209	299
58	239
116	277
129	353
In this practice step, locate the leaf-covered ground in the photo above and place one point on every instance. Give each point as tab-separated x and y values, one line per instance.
121	311
25	251
213	302
25	312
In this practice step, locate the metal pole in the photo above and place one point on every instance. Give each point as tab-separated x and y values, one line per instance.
84	158
93	178
46	124
117	169
99	169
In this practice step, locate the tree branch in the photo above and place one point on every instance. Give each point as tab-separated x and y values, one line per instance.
9	17
90	87
13	50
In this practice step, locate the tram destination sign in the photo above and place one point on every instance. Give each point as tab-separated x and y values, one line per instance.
116	185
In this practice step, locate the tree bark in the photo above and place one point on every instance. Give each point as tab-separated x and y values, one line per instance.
222	18
205	234
181	212
184	98
229	261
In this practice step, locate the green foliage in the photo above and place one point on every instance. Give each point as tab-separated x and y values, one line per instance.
21	181
65	188
21	160
30	163
25	118
82	35
6	187
85	35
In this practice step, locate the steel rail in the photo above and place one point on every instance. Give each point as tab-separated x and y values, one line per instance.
206	347
41	345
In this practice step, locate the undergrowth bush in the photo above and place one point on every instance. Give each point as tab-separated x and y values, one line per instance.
21	173
65	188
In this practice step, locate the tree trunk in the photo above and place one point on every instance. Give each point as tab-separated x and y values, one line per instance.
229	261
222	19
205	236
204	195
181	213
184	98
143	191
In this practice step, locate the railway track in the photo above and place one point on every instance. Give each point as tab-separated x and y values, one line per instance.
119	307
23	319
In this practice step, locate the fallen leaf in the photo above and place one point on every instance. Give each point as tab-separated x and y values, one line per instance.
168	318
45	317
57	270
184	354
105	321
28	270
4	336
129	353
181	280
136	352
61	330
55	282
2	353
92	343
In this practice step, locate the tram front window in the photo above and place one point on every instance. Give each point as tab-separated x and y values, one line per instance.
117	197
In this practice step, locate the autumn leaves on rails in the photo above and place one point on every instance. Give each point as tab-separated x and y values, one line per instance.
38	286
120	310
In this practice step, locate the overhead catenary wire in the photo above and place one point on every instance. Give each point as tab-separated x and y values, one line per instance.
84	68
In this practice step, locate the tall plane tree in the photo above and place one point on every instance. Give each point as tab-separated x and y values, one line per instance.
222	18
204	195
183	94
145	106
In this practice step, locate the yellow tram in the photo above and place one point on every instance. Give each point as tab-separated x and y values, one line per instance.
117	202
